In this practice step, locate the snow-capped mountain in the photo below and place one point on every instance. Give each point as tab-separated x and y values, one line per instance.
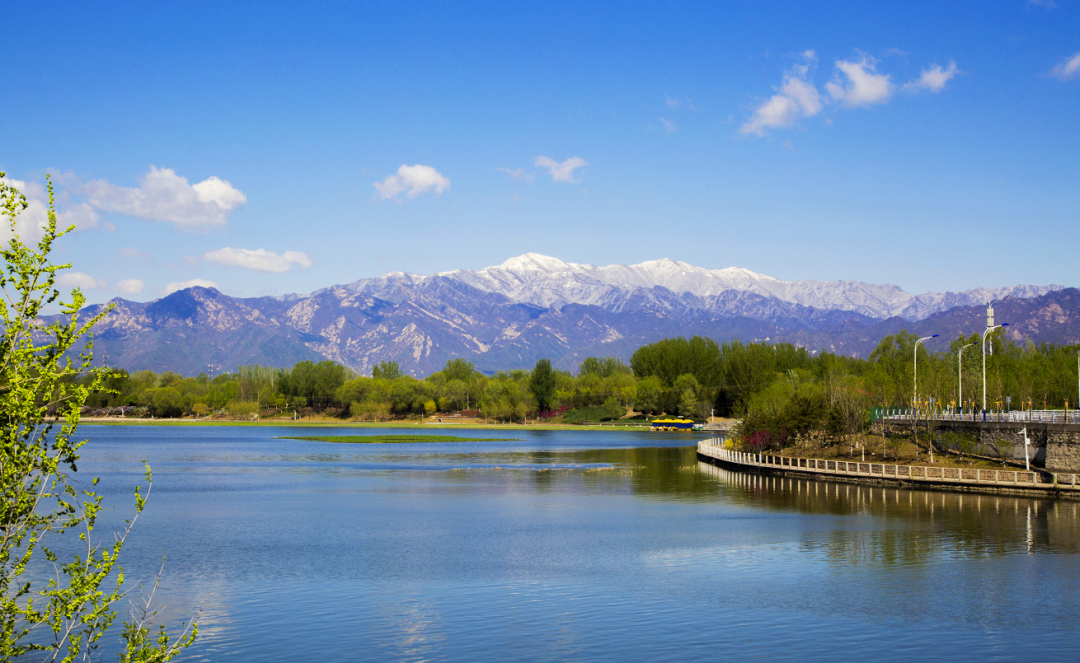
534	306
549	282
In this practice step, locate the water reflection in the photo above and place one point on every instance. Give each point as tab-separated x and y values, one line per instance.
409	626
576	546
662	472
966	524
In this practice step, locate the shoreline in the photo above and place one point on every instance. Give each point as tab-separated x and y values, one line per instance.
1000	482
627	428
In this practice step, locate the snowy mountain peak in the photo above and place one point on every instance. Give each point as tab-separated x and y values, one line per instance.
534	262
495	316
545	281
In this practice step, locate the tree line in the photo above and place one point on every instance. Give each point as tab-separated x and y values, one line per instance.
829	397
775	387
605	384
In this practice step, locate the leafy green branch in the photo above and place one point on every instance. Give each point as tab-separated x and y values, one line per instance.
44	383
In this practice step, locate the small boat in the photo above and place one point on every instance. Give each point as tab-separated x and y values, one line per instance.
679	425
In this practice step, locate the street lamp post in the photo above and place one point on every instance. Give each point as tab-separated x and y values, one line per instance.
988	330
915	390
915	398
960	376
989	327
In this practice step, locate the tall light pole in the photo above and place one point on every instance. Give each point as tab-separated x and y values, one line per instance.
990	326
915	391
915	403
960	376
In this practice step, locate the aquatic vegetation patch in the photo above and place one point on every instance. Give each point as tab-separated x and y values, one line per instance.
393	439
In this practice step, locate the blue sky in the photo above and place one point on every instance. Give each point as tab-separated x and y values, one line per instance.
931	145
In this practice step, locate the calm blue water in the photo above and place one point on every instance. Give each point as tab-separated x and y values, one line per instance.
574	546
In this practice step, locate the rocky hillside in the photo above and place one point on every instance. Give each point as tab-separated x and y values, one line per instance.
532	306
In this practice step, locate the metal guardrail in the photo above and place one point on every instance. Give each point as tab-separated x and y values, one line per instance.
714	448
1010	416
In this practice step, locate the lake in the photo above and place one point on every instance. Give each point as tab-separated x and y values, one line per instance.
573	546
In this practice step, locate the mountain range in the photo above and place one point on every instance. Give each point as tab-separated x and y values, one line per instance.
534	306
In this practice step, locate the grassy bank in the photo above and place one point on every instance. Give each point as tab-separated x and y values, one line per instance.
406	425
892	451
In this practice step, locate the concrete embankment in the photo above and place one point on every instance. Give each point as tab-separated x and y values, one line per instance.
1054	443
1007	482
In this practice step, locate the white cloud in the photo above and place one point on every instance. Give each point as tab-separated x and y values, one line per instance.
82	216
933	79
413	180
804	93
79	280
130	287
259	259
796	98
1067	69
679	103
133	253
31	222
165	196
561	172
864	86
182	285
854	85
669	127
778	111
518	174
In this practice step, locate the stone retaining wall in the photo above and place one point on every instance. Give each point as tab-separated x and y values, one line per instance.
1053	446
970	479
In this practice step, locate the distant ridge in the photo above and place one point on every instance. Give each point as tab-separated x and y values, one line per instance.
534	306
545	281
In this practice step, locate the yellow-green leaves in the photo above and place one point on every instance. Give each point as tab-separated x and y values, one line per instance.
45	378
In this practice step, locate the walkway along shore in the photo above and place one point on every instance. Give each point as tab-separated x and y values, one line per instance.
1000	482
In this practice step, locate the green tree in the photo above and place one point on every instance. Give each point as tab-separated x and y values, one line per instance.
318	383
408	395
242	409
458	369
167	402
542	384
687	388
613	408
38	366
603	367
357	389
672	357
648	395
386	370
457	392
589	390
893	378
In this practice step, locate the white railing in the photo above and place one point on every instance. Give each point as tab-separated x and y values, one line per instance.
715	448
1010	416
